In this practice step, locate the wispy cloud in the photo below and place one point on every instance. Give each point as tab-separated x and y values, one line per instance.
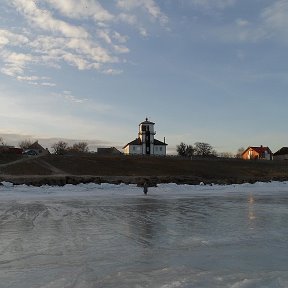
275	19
211	4
49	84
9	38
82	8
14	63
120	38
270	23
150	6
113	72
50	39
43	19
67	95
36	80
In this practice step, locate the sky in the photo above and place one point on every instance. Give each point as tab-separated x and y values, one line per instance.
211	71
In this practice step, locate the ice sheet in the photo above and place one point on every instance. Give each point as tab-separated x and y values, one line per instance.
114	236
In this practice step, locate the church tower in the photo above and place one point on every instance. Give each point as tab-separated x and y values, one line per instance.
146	134
145	143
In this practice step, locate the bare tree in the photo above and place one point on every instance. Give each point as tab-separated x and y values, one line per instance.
25	144
185	150
60	147
189	151
2	141
204	149
181	149
80	147
240	152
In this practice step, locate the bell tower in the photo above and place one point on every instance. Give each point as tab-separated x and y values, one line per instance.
146	134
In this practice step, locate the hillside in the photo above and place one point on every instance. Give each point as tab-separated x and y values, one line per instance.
62	169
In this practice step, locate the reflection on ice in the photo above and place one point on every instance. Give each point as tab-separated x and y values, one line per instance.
114	236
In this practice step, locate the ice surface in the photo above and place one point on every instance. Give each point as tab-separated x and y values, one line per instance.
114	236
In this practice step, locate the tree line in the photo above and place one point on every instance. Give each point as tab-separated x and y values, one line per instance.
204	150
59	148
200	149
62	147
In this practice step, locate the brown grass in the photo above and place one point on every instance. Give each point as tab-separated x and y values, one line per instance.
207	169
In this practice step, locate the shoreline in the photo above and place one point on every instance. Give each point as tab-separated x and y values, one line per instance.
152	181
59	170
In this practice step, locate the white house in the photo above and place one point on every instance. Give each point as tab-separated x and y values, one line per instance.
146	144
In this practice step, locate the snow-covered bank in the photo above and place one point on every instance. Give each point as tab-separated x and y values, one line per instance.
7	189
61	180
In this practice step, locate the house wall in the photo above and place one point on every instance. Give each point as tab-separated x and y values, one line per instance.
268	156
133	150
280	157
160	150
250	154
126	150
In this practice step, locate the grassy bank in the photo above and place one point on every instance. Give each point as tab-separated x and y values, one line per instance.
127	169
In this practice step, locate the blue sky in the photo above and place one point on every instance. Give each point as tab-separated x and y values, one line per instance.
213	71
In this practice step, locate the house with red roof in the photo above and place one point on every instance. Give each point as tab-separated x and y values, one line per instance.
257	152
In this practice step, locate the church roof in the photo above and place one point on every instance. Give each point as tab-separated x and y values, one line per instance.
138	141
157	142
146	122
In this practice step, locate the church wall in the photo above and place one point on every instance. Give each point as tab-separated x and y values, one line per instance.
160	150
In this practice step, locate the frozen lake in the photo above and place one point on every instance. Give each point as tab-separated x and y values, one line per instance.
115	236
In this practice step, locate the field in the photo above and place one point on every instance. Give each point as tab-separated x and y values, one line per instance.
62	169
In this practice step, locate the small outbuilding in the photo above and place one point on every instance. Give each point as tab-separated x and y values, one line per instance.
108	151
257	152
38	148
281	154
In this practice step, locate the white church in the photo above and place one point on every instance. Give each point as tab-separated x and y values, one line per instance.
146	144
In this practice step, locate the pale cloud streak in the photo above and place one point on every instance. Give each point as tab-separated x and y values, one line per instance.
113	72
51	39
67	95
43	19
150	6
211	4
270	23
82	8
275	17
36	80
9	38
14	63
